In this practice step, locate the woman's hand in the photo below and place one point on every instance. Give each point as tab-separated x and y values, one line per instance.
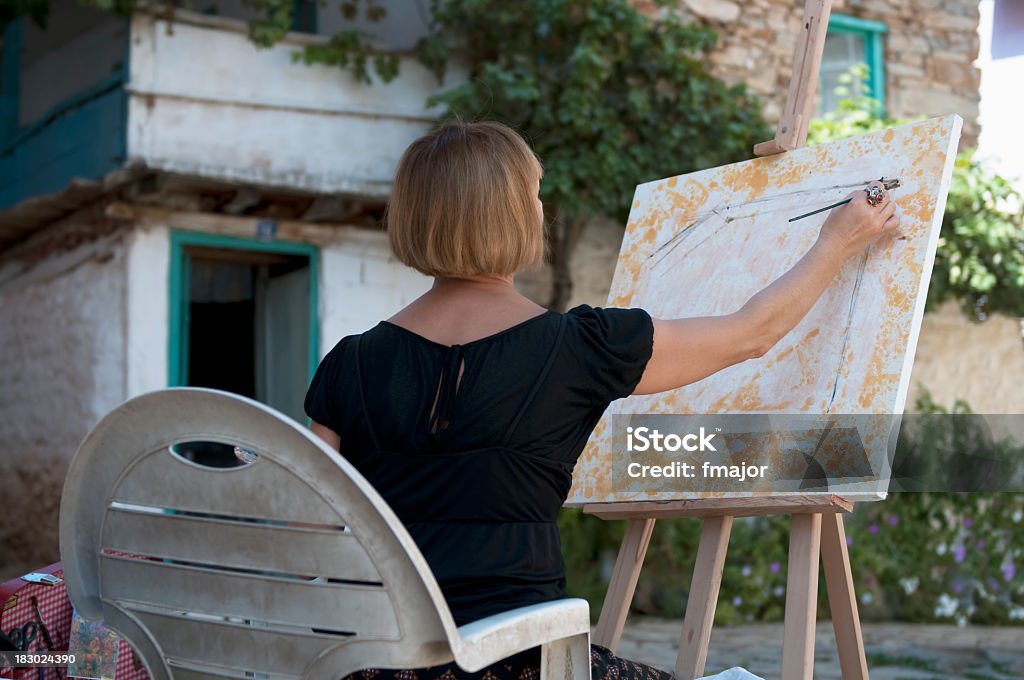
852	227
688	350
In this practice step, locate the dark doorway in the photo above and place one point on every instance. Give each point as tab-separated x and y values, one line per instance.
248	325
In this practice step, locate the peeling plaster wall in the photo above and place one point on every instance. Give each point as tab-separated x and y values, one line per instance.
361	284
204	101
62	330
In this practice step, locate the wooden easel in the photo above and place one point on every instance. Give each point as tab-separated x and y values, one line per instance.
817	523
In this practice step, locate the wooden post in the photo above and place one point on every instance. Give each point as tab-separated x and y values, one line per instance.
623	583
791	131
842	600
718	515
801	597
703	597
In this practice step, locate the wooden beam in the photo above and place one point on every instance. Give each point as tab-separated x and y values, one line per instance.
801	598
791	131
623	583
842	600
715	507
233	225
703	598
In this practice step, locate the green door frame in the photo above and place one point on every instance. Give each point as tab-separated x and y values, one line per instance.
178	316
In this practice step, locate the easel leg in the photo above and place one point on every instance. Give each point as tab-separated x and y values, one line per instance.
703	598
801	597
841	598
623	584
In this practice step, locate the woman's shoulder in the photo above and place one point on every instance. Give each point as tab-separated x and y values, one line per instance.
608	322
348	343
341	357
607	348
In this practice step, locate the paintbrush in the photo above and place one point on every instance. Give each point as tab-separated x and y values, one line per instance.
889	184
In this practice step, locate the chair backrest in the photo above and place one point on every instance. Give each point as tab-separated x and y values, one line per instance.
288	564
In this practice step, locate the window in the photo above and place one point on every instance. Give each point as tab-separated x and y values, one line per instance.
852	42
243	317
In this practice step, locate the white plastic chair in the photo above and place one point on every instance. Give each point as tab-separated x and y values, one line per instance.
289	566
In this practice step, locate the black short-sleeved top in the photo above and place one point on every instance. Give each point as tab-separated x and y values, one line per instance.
478	479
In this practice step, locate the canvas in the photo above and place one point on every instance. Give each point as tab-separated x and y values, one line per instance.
704	243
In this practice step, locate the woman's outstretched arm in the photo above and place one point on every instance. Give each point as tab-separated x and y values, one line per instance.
688	350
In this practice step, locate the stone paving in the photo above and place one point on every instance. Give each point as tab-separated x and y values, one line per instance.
895	651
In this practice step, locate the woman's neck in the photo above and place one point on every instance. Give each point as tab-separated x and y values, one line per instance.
456	311
495	284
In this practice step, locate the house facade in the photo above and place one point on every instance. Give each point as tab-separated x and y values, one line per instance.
178	207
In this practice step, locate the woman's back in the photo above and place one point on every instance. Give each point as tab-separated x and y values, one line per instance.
473	444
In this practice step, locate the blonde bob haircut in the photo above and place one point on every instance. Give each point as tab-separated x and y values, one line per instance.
463	202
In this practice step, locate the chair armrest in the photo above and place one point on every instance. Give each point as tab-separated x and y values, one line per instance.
494	638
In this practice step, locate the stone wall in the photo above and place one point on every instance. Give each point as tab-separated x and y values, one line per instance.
930	49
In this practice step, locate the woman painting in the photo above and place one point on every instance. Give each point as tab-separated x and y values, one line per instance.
468	408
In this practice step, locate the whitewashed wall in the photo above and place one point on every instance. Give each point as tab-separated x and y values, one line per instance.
62	367
360	284
205	101
146	318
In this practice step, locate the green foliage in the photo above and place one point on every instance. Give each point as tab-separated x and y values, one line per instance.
980	259
352	50
607	97
348	50
949	557
274	23
980	256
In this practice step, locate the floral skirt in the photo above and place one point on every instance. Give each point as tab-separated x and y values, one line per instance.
523	666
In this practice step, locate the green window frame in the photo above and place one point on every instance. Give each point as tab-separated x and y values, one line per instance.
874	49
179	274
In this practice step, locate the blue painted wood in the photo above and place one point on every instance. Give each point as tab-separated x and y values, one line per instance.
84	137
10	74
